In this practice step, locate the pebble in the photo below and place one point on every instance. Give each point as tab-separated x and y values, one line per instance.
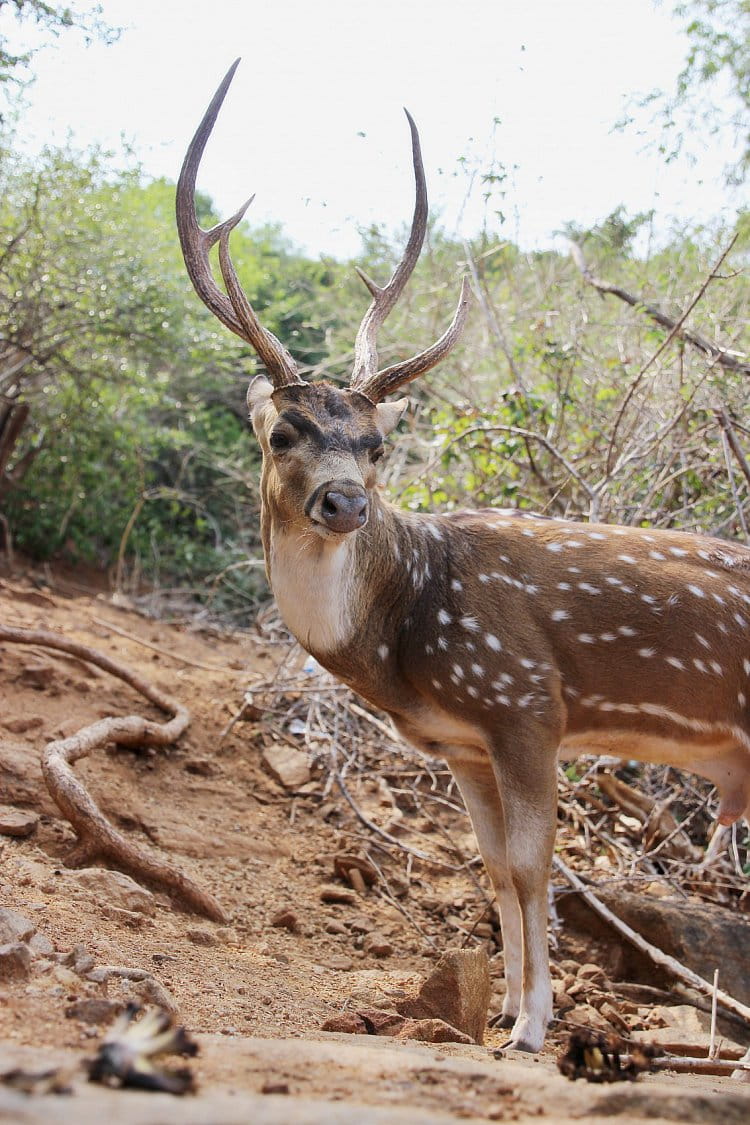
275	1088
339	961
332	893
289	766
23	725
17	822
14	927
94	1010
37	675
285	920
15	961
202	937
115	889
592	972
377	945
361	924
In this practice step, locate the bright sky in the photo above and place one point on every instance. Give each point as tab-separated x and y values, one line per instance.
313	122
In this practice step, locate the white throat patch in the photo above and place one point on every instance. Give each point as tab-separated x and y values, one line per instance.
310	579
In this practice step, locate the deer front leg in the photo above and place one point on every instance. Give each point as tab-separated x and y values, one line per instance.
481	796
526	773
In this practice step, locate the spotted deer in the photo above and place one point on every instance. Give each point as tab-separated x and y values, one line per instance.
494	639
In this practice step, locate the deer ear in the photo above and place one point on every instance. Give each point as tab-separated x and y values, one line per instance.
390	414
258	392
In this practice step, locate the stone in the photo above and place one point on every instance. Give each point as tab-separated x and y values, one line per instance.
360	924
40	945
332	893
377	945
14	927
114	888
375	1021
17	822
686	1031
21	780
151	991
285	920
38	675
432	1031
702	936
24	724
290	767
593	973
131	918
202	937
339	961
15	961
458	992
367	1021
94	1010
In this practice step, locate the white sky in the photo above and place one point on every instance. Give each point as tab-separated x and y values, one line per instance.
313	122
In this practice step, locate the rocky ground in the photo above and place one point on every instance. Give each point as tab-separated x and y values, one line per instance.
305	941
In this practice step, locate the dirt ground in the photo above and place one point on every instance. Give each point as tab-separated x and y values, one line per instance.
211	808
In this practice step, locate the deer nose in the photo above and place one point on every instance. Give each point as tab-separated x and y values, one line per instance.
344	513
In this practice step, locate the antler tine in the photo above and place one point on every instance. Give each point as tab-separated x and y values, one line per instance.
232	308
383	299
390	379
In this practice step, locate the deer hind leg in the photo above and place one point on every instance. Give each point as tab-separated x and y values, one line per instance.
482	799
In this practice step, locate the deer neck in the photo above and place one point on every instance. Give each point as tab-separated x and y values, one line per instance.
348	596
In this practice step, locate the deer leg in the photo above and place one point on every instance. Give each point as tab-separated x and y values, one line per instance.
482	799
526	774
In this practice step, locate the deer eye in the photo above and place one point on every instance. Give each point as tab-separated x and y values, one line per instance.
279	441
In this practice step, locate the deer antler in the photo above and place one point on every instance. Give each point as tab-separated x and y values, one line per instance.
365	377
232	308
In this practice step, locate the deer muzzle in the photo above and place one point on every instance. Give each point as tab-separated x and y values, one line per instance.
339	506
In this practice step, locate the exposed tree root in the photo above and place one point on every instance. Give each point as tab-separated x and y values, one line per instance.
97	838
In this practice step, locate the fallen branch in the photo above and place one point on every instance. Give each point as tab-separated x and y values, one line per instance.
98	839
658	956
689	1065
157	648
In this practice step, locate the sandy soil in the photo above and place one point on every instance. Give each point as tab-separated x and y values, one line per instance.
210	807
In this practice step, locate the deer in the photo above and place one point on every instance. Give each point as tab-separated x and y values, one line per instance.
498	640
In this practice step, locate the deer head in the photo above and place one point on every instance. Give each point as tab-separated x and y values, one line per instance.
320	443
